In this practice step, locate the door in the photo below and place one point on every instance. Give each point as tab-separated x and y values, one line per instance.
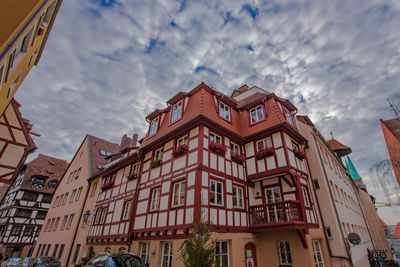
274	211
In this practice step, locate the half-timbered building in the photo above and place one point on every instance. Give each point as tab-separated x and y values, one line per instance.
24	207
15	144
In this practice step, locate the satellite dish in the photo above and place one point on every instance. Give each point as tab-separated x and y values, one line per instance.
354	238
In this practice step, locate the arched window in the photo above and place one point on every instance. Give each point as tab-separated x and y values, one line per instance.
285	256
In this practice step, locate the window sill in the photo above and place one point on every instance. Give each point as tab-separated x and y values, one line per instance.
217	205
178	206
257	122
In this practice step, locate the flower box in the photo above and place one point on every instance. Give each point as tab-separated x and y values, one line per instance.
300	154
131	176
107	185
217	148
180	150
239	158
265	152
155	163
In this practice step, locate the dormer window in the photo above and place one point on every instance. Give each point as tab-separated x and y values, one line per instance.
153	127
289	117
224	111
176	112
105	153
256	114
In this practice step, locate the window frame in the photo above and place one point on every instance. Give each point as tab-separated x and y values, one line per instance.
78	194
155	199
306	197
258	119
215	136
233	146
65	198
94	189
316	252
168	255
153	128
70	220
226	110
287	253
158	153
178	194
262	141
145	252
236	196
221	254
127	207
72	196
103	215
184	140
178	112
215	193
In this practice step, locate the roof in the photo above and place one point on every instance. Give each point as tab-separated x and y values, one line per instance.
396	233
46	166
351	169
339	148
394	126
97	144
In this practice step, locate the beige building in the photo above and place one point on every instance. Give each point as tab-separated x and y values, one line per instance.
25	27
59	236
338	199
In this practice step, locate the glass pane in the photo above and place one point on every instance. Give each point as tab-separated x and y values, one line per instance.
277	195
269	195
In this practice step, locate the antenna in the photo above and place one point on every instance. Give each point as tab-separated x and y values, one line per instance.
332	136
395	109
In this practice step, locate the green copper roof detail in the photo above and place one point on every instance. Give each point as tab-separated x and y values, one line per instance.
351	169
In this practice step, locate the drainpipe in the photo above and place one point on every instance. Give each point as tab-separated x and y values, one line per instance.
334	206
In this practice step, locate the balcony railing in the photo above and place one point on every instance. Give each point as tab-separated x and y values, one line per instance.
275	213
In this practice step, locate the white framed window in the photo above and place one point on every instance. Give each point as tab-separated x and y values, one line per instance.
135	168
224	111
166	260
71	218
103	215
98	215
65	199
181	141
256	114
289	117
305	197
235	148
285	256
319	262
153	127
155	199
215	138
179	190
216	192
78	194
72	196
176	111
144	248
237	197
264	143
222	253
158	154
127	210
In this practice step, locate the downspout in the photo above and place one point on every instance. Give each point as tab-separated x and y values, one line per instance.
83	205
333	201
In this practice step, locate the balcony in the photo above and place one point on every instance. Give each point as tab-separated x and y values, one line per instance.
281	215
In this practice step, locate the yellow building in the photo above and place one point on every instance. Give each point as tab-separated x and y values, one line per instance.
25	26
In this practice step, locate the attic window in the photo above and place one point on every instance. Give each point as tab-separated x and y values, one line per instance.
53	184
176	111
153	127
256	114
224	111
99	167
105	153
38	181
49	172
51	163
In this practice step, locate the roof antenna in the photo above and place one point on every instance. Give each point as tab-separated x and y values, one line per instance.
332	136
395	109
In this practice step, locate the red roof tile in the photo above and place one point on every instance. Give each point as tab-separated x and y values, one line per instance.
396	233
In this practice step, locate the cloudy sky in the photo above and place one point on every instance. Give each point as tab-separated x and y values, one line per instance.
109	63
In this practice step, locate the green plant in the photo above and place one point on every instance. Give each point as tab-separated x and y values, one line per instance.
199	249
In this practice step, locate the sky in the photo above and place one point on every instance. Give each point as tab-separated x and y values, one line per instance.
109	63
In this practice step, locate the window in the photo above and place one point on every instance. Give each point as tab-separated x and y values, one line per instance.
16	230
285	257
28	231
1	74
216	192
78	172
64	222
71	217
256	114
55	250
65	199
316	184
158	154
235	148
47	250
176	112
182	141
23	213
10	64
317	254
289	117
305	197
41	214
78	194
77	248
38	250
98	215
155	199
43	248
103	215
51	224
166	260
30	196
222	253
224	111
127	210
135	168
56	223
13	85
215	138
153	127
237	197
264	143
144	248
179	190
47	198
61	251
94	189
72	196
47	225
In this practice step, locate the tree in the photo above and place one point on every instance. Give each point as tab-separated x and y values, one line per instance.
199	249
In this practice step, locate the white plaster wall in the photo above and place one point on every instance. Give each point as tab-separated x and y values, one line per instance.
249	147
281	157
118	210
277	140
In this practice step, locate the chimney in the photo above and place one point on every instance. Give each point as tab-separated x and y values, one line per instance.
134	140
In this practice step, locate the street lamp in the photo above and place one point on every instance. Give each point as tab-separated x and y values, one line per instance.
86	216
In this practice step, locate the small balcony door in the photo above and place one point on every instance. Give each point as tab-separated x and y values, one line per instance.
274	212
